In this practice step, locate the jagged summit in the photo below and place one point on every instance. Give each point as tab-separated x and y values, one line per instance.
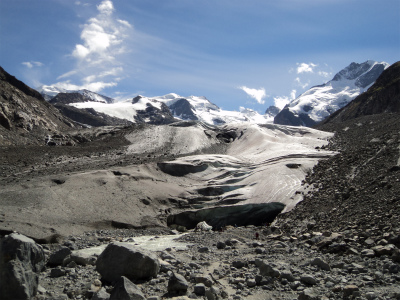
50	91
364	74
382	97
320	101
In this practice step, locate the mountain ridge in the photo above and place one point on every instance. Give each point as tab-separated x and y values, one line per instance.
320	101
382	97
25	117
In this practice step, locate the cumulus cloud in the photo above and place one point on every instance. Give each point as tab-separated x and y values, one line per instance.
101	36
106	7
257	94
305	68
97	56
282	101
31	64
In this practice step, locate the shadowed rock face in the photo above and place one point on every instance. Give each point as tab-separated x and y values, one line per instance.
287	117
183	109
67	98
25	117
154	115
240	215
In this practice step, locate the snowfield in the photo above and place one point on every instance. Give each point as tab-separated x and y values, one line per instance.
203	110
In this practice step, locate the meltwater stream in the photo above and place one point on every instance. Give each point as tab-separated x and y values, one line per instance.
147	242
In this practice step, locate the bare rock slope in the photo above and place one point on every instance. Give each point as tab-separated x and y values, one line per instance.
25	117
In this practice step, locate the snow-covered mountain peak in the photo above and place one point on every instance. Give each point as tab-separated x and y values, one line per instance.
50	91
320	101
95	96
169	96
363	74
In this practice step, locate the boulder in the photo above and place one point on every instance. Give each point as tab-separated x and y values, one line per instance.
308	279
221	245
124	259
384	249
267	269
287	274
238	264
368	253
124	289
177	284
308	294
21	259
58	256
81	257
199	289
320	263
206	279
348	290
101	295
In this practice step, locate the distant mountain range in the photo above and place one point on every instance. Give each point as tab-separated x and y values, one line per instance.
321	101
308	109
153	110
25	116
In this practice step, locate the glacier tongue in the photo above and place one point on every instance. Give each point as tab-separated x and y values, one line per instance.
259	164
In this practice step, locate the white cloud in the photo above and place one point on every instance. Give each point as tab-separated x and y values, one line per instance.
111	72
125	23
80	51
91	86
106	7
257	94
281	102
101	36
97	56
293	94
303	85
324	74
305	68
68	74
28	64
31	64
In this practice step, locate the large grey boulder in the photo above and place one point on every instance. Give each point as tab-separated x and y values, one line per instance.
124	259
267	269
21	259
124	289
177	284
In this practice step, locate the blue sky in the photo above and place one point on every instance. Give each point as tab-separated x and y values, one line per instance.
236	53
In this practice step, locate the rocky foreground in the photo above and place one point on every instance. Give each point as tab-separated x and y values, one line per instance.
233	264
